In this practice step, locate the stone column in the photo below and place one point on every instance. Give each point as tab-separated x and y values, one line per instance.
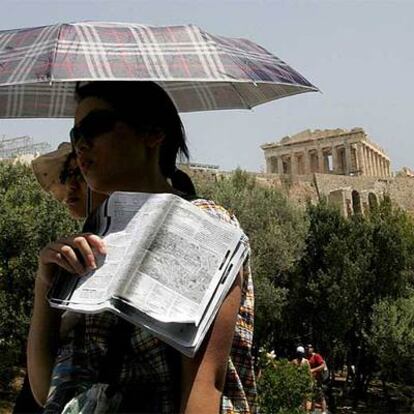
320	161
268	165
306	161
378	161
364	160
357	166
280	165
386	167
383	174
371	161
376	166
374	163
367	161
347	159
293	164
360	159
334	159
312	152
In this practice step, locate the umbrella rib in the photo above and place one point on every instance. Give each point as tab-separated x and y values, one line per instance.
241	96
220	50
56	51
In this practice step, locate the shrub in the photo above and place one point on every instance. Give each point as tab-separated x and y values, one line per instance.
283	388
29	219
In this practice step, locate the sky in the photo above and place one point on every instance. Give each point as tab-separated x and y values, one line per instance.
359	53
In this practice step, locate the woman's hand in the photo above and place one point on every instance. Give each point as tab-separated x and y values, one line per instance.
75	254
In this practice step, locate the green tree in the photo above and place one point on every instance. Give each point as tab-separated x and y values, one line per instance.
276	229
348	267
29	219
392	338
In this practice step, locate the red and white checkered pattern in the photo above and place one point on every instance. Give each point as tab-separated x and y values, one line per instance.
40	66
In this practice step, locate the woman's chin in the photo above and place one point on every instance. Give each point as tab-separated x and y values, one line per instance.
99	186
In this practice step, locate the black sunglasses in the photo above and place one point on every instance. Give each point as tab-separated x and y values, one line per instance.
94	124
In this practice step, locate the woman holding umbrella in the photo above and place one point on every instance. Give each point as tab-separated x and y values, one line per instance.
127	136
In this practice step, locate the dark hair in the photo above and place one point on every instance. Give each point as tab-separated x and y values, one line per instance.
63	176
147	105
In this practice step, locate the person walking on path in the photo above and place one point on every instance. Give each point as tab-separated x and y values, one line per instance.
301	361
317	366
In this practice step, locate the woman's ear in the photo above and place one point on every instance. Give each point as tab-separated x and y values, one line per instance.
154	138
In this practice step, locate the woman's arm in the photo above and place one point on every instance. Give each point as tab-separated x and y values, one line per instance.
45	323
203	377
43	339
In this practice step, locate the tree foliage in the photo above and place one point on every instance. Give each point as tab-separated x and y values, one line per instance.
392	338
29	219
283	388
276	229
319	277
344	284
348	267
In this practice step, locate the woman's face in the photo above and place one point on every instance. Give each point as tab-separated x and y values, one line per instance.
112	157
76	192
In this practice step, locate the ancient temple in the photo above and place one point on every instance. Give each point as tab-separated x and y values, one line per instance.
329	151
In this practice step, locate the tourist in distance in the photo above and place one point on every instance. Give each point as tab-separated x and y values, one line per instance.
301	361
127	136
59	174
318	367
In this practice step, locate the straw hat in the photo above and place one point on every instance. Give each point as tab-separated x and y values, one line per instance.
47	169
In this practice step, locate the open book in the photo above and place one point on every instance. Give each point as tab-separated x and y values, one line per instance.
168	267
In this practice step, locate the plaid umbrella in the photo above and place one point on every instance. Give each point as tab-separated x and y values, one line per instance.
40	66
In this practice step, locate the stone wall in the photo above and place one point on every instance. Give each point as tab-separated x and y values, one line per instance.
350	194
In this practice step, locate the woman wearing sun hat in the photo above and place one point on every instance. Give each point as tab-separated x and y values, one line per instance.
58	174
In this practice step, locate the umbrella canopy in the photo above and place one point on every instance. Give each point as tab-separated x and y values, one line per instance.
39	67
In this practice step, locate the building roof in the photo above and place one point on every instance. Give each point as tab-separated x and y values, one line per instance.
308	135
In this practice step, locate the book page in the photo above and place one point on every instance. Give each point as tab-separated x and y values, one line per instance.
182	265
165	256
132	220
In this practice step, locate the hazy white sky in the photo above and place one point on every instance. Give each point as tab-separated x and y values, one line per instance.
359	53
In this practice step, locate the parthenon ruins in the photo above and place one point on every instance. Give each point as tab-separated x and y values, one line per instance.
329	151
